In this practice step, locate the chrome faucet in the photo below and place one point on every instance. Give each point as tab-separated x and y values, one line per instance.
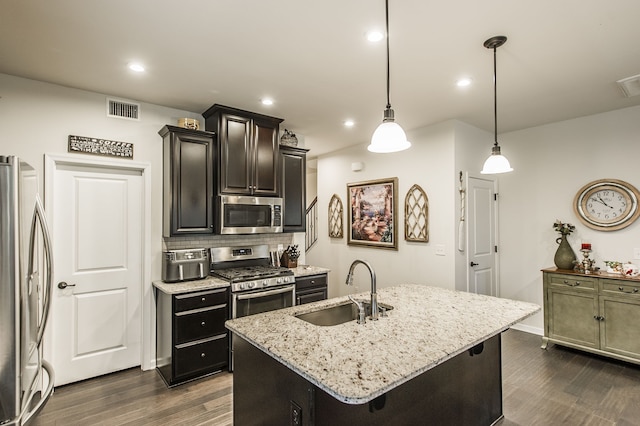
374	295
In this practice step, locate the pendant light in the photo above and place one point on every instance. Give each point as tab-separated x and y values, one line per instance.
496	163
388	136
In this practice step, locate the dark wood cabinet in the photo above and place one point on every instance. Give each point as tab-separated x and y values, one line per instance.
248	150
191	339
189	158
311	288
293	187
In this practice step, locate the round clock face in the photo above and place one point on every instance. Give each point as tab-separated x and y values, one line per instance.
607	204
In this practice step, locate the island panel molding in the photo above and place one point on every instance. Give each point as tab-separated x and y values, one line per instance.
372	216
607	204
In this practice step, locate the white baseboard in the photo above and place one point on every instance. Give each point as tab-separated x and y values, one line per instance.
528	329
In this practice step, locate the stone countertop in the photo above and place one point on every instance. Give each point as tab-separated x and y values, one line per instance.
357	363
306	270
207	283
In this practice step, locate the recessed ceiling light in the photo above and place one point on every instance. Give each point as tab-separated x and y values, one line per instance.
349	123
136	66
464	82
266	101
375	36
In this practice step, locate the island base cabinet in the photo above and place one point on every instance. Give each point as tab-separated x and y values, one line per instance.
465	390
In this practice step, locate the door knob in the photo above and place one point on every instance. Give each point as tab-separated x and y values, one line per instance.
474	264
62	285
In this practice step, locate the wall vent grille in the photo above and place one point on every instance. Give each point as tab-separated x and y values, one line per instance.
122	109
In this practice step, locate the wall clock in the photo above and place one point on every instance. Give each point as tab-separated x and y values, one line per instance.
607	204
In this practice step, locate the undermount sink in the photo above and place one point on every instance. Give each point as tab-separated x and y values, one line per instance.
339	314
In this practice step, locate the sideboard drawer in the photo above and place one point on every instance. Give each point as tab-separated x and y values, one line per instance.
621	288
577	282
201	299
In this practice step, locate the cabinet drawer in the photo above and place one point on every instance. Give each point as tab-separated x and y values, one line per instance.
621	288
206	354
201	299
311	281
577	282
311	296
200	324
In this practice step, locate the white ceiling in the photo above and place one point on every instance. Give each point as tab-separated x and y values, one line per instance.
561	60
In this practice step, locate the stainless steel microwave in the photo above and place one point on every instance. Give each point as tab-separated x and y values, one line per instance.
240	214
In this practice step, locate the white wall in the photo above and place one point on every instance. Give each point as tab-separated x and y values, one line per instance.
552	163
37	118
430	164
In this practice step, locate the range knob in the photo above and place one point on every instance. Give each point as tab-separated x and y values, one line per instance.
242	286
251	284
265	283
279	280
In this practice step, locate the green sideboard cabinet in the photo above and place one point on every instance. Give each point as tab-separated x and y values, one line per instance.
597	313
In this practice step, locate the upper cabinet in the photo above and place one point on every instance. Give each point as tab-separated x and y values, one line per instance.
248	150
293	187
189	158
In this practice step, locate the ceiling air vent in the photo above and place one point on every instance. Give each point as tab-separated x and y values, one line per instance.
630	86
122	109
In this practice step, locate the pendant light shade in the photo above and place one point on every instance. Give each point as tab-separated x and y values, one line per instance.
496	163
388	136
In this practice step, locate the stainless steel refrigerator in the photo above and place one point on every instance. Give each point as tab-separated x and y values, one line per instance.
26	380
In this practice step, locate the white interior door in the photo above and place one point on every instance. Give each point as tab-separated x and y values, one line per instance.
97	238
481	222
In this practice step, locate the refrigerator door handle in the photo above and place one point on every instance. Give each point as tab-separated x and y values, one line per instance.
39	216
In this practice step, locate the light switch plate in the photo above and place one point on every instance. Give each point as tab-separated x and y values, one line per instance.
636	253
440	250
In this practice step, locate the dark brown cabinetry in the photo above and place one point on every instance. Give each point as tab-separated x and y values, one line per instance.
293	187
189	158
191	339
248	150
311	288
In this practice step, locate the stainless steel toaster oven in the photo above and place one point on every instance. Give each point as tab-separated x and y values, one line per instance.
184	265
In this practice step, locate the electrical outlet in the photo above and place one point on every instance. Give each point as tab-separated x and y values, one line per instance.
440	250
636	253
280	247
296	414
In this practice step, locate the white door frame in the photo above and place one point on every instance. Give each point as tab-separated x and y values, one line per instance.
54	161
496	235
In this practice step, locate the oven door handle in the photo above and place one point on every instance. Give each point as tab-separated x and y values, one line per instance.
256	295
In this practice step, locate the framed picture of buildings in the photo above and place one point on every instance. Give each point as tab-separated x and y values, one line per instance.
372	213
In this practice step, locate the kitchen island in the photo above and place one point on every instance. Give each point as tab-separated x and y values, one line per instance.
435	358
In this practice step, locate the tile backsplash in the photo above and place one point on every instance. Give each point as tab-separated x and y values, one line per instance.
206	241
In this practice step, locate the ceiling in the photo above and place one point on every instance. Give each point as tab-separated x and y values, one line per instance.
562	58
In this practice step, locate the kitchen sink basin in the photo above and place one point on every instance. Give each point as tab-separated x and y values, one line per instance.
339	314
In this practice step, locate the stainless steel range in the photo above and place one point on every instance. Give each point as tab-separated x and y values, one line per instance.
256	285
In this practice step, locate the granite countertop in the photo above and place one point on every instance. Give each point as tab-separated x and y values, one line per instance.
357	363
207	283
214	282
306	270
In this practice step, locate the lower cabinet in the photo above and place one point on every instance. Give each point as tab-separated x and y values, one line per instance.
311	288
191	339
595	313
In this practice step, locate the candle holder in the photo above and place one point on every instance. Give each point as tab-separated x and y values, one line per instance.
586	265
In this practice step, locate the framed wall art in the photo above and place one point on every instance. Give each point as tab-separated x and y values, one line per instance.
372	213
335	217
416	219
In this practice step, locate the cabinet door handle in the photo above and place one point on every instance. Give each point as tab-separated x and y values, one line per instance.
598	317
635	290
202	323
202	355
577	283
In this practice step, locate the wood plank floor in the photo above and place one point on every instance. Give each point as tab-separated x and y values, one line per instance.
552	387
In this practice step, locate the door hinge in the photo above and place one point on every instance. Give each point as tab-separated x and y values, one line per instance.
495	197
495	249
